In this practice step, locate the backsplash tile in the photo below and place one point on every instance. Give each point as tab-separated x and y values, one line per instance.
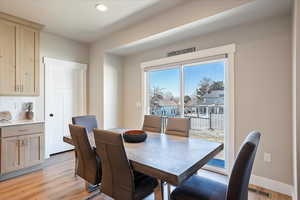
15	105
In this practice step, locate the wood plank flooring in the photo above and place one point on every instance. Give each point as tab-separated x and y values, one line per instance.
57	182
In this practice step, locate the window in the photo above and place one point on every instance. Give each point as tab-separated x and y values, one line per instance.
199	86
164	92
204	102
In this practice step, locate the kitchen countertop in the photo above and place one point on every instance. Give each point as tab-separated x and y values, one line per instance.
19	122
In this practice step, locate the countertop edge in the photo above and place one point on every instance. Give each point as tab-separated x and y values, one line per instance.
19	123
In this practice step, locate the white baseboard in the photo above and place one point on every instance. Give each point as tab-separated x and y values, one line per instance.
273	185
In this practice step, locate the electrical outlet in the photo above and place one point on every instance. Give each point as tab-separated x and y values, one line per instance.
267	157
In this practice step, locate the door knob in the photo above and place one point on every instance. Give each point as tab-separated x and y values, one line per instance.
51	115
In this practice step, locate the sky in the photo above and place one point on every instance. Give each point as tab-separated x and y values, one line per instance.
169	79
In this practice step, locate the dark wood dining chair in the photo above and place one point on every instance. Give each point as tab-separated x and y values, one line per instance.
201	188
89	166
152	123
178	126
119	181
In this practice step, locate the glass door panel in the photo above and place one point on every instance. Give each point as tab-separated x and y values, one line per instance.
164	92
204	103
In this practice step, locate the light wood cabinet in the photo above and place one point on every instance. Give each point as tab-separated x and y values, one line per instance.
34	149
7	57
21	147
10	154
19	56
27	60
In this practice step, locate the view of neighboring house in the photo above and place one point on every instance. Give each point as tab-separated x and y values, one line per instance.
214	97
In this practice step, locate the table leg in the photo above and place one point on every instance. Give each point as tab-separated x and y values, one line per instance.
169	191
159	191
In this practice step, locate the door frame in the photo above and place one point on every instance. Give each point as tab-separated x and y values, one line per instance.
48	62
229	126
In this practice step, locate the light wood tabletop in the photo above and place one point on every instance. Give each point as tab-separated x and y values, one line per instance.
171	159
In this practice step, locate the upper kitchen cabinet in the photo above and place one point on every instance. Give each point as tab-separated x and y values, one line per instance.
28	60
7	58
19	56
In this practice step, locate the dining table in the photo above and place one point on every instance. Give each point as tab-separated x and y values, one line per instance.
168	158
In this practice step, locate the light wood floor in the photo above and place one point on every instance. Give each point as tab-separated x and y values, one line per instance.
57	182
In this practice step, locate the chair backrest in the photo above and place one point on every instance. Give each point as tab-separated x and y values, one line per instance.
117	178
241	171
87	121
87	163
152	123
178	126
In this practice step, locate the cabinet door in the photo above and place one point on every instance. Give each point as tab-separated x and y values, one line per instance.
10	154
7	58
34	149
28	60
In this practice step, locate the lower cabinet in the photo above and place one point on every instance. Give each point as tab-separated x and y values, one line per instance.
33	149
11	158
22	151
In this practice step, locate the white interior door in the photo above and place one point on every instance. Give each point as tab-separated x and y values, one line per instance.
64	98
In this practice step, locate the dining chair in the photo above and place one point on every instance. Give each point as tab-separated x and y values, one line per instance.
87	121
178	126
89	166
119	181
201	188
152	123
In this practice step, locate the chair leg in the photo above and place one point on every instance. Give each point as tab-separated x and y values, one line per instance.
76	163
91	188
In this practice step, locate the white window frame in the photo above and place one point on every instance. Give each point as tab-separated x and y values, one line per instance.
229	103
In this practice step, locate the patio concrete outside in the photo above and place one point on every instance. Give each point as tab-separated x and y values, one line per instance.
210	135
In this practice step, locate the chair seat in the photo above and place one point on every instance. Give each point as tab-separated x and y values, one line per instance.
200	188
144	185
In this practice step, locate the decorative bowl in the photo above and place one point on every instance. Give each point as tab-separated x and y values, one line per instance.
134	136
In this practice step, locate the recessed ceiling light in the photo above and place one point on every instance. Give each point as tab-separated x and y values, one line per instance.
101	7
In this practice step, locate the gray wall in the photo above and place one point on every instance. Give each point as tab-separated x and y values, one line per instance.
58	47
113	71
263	88
296	96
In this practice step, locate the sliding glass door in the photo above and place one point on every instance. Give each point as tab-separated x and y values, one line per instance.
164	92
204	102
194	90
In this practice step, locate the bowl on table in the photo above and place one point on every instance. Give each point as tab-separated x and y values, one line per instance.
135	136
